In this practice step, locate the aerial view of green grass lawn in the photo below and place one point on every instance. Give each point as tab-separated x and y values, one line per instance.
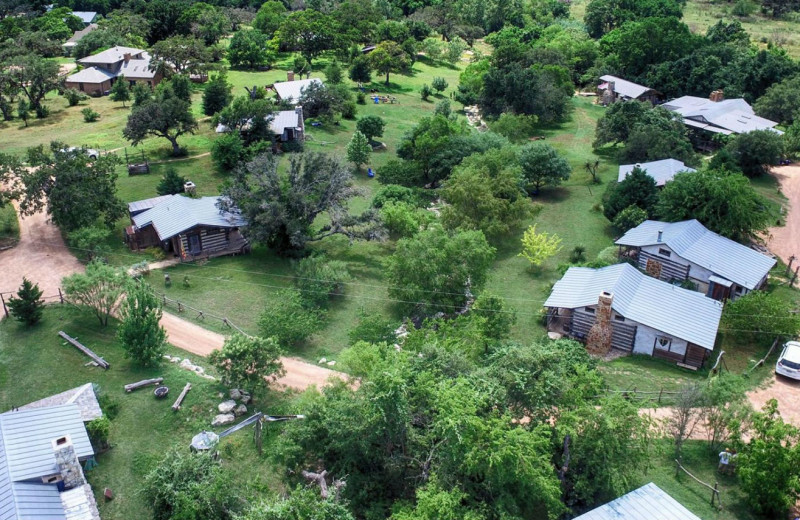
229	294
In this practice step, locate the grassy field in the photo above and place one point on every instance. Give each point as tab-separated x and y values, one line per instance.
9	225
35	363
699	15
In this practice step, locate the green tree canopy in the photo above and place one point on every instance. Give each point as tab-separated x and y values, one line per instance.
269	17
217	94
34	76
99	289
760	316
358	150
603	16
27	306
246	362
165	115
781	101
248	49
388	57
541	166
754	152
308	31
181	55
139	331
371	126
120	90
636	189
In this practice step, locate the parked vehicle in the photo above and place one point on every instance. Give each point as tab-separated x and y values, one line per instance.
789	361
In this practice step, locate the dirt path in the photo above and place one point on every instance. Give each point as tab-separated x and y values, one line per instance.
40	255
197	340
785	241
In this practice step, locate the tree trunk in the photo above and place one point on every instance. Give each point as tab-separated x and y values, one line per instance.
387	77
176	150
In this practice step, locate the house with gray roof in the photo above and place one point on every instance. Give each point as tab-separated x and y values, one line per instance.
647	502
190	228
688	251
716	115
290	91
70	44
285	125
622	308
87	17
41	478
613	89
662	171
101	70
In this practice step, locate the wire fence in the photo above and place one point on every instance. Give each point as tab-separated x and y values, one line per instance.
55	298
715	495
201	315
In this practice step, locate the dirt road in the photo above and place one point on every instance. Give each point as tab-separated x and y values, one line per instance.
785	241
40	255
197	340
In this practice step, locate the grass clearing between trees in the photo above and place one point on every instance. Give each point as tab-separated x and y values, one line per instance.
9	225
35	363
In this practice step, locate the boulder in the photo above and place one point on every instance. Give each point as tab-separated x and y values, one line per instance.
554	335
227	406
240	410
331	363
236	394
246	398
322	361
223	418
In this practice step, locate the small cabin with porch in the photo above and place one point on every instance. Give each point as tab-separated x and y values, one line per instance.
613	89
686	251
188	228
661	171
619	307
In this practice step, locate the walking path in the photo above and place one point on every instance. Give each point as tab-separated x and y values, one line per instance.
784	241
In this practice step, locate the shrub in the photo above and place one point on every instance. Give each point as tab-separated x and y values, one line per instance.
27	306
538	247
98	430
140	334
171	183
372	328
743	8
90	240
227	151
318	279
439	84
425	92
42	111
394	193
89	115
442	108
287	318
577	255
404	220
515	127
629	218
349	110
361	98
74	97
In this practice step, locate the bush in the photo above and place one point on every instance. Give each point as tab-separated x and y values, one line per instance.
361	98
98	431
372	328
404	220
442	108
629	218
515	127
90	240
287	318
425	92
349	110
227	151
743	8
74	97
577	255
318	279
42	111
171	183
89	115
439	84
394	193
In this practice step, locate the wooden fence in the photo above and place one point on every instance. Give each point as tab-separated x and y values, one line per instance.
201	315
714	489
56	298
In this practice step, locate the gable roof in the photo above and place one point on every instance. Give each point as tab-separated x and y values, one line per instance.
112	55
283	120
86	17
682	313
91	75
291	90
728	116
178	214
139	206
137	68
662	171
80	34
649	501
625	87
692	241
83	397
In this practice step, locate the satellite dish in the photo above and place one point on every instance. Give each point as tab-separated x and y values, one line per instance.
205	441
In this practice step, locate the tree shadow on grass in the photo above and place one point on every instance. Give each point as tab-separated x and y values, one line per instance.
552	195
55	116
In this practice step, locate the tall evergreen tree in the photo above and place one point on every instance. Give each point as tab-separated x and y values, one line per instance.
28	306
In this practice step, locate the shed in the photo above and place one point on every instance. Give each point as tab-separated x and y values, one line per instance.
623	90
647	502
291	91
662	171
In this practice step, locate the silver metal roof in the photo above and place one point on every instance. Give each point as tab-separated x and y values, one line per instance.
662	171
27	437
291	90
79	504
681	313
283	120
82	396
137	68
625	87
647	502
725	116
178	214
35	500
692	241
85	16
142	205
112	55
91	75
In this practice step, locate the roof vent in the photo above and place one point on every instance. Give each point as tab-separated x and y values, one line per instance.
660	235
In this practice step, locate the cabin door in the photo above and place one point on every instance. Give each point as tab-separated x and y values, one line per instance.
194	244
719	292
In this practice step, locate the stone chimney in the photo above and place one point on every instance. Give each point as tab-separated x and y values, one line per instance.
717	96
290	75
611	86
598	341
67	462
126	57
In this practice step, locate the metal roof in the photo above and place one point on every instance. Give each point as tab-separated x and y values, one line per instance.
91	75
80	34
137	68
112	55
292	90
662	171
27	437
647	502
682	313
82	396
692	241
86	17
732	115
36	501
625	87
283	120
178	214
79	504
142	205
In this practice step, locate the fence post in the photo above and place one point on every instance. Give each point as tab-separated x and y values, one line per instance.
4	304
60	295
789	267
659	394
714	493
791	284
677	466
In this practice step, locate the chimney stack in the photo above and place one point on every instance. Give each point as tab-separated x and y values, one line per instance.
67	462
127	57
611	86
290	75
660	235
598	341
717	96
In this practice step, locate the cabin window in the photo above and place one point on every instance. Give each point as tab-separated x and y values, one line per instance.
739	289
589	310
617	317
663	342
213	231
665	252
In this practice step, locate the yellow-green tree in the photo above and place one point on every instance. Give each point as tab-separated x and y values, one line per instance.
538	247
